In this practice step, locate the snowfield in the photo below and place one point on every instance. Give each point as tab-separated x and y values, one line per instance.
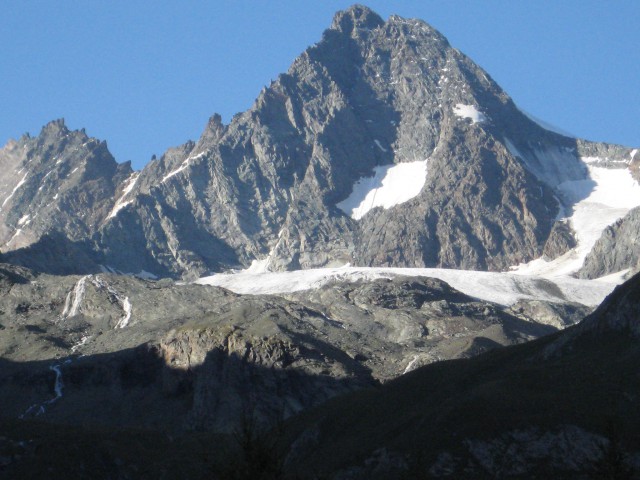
390	185
591	198
502	288
591	205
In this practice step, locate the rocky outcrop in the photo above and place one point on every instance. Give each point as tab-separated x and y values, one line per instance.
619	312
266	380
560	241
61	180
558	315
617	249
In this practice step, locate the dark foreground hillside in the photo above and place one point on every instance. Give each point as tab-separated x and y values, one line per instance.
565	406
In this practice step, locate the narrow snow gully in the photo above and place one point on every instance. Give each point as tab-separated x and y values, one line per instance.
127	307
38	409
81	343
123	301
74	299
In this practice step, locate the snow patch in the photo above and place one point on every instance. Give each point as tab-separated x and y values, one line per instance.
591	159
182	166
469	111
546	126
633	153
124	302
15	235
390	185
262	265
618	277
127	307
39	409
24	219
119	206
83	341
258	266
15	189
379	145
144	275
121	203
72	308
552	165
411	365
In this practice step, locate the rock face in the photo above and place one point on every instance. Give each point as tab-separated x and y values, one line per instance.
618	313
617	249
58	186
286	182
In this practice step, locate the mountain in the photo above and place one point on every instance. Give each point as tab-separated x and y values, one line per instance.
559	407
381	146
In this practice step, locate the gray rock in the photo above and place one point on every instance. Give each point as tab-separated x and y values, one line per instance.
617	249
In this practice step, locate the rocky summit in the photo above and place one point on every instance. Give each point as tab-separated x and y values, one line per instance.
380	270
382	145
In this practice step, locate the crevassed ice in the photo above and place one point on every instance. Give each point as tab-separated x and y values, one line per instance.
469	111
390	185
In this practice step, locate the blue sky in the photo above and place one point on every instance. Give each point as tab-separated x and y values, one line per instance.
147	75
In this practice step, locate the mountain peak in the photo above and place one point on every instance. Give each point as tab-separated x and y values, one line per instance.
55	126
356	16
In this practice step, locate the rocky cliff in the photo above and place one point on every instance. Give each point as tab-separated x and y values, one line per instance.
617	249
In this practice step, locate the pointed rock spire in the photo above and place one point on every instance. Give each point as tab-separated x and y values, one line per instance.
356	16
55	126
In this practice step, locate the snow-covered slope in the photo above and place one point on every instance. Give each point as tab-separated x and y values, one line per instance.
590	205
391	185
502	288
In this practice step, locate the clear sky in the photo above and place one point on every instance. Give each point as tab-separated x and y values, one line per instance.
146	75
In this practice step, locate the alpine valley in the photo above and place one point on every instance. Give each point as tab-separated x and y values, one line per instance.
382	269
